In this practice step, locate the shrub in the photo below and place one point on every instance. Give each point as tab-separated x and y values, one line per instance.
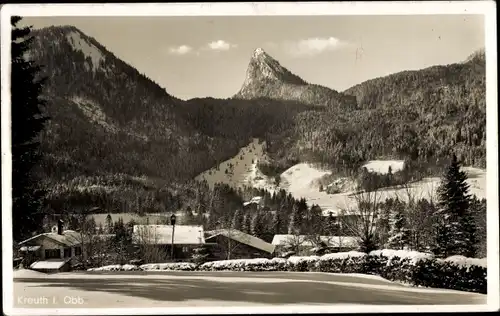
342	262
302	264
169	266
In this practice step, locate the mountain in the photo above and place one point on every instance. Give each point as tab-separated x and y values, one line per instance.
106	116
423	115
117	139
444	85
267	78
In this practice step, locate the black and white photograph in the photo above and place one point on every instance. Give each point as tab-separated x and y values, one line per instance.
249	157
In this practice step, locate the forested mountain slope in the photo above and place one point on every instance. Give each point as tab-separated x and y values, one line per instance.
421	115
118	140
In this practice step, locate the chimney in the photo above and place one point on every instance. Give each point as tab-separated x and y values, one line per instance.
60	227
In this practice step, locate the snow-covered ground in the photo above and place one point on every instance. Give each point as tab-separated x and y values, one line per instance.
244	171
302	180
382	166
88	49
189	289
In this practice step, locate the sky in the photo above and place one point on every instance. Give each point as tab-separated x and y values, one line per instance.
208	56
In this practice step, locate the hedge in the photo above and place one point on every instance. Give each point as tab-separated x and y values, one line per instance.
415	268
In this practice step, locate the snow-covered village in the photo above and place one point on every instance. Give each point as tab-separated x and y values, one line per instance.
200	171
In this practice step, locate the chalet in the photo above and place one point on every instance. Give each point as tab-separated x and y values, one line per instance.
185	238
256	201
305	245
235	244
52	252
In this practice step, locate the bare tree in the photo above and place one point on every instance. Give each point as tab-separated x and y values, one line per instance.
294	242
360	220
228	231
419	219
146	239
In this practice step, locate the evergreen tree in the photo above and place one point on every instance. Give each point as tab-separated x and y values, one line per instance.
455	228
295	222
257	225
100	229
244	224
237	221
109	224
277	223
27	123
399	233
201	254
315	221
190	219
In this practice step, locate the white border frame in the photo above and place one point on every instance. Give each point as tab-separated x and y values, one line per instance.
486	8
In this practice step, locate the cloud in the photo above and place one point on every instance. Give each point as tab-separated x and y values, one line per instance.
314	46
180	50
220	45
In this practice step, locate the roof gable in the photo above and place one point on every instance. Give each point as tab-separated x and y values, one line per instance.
162	234
243	238
68	238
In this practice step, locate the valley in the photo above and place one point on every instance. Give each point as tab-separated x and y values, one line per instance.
118	141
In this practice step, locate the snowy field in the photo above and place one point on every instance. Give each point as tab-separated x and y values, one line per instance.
302	180
299	181
244	171
382	166
192	289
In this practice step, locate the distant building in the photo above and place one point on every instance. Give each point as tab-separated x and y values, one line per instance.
236	244
257	201
186	238
304	245
54	251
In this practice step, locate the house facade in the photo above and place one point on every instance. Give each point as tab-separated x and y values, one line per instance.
185	239
306	245
60	246
234	244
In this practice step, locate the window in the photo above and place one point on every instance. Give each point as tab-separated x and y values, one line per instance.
52	253
67	252
185	249
78	251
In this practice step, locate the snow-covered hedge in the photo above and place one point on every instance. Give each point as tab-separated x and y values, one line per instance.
302	264
423	269
116	267
170	266
411	267
173	266
343	262
259	264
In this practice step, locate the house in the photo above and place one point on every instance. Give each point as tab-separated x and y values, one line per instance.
185	238
257	201
234	244
54	251
305	245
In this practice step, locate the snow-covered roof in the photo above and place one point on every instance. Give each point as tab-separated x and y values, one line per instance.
68	238
243	238
48	264
162	234
254	200
29	248
304	240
